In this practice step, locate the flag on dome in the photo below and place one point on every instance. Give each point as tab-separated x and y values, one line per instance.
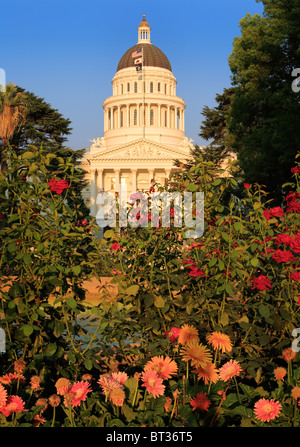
137	53
138	61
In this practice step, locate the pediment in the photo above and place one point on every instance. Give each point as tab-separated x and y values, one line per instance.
141	149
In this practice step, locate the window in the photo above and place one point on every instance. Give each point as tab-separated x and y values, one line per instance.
166	119
128	87
151	117
135	117
165	89
121	118
122	89
158	87
112	183
135	87
151	87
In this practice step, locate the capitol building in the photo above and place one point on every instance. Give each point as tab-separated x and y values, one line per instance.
144	125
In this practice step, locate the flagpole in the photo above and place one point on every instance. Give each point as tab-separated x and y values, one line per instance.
144	88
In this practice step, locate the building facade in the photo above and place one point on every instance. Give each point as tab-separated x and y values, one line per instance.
144	125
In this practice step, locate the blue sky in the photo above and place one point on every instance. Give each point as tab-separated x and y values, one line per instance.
67	51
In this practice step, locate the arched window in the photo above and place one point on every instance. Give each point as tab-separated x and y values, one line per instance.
151	87
135	87
158	87
151	117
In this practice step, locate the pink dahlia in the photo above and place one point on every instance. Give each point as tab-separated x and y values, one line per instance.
229	370
265	410
153	383
14	404
77	393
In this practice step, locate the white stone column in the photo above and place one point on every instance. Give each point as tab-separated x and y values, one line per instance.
118	179
180	119
100	179
151	175
93	207
133	180
119	116
159	115
111	118
138	115
149	115
128	115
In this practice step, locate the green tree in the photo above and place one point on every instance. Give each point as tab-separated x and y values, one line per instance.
42	125
214	129
264	119
13	111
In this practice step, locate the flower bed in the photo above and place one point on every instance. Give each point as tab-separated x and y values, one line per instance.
201	333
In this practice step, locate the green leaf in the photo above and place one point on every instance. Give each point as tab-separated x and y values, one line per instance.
28	155
159	302
11	246
212	262
224	320
192	187
225	236
70	301
237	226
132	290
76	269
27	329
254	262
71	357
27	259
88	364
264	311
51	349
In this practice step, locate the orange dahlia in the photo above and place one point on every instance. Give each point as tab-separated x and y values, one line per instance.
164	368
198	354
3	396
219	341
187	333
201	402
209	373
288	354
62	385
230	369
117	396
295	392
265	410
279	373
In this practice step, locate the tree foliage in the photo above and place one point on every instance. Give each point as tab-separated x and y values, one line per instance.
264	119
